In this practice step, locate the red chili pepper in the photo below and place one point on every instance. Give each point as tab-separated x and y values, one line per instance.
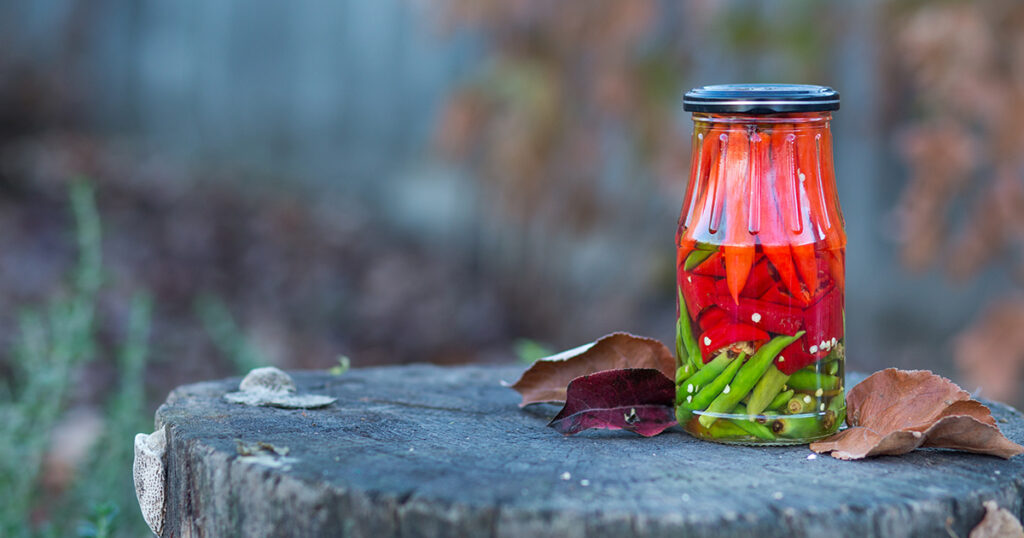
698	291
698	160
711	317
727	334
713	266
785	187
707	212
683	249
738	260
824	323
773	230
806	265
707	178
794	357
809	169
835	237
738	248
825	280
776	294
798	224
782	259
758	282
837	267
771	317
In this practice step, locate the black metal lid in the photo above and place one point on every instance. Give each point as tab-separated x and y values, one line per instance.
761	98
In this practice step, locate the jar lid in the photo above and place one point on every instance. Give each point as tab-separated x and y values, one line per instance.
761	98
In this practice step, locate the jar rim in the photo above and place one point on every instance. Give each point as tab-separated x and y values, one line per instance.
759	99
789	118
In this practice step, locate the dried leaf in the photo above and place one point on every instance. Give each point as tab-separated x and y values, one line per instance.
998	523
896	411
635	399
547	379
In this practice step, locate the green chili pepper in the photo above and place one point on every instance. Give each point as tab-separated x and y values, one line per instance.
684	372
724	429
809	380
693	384
696	257
701	398
798	427
781	399
801	403
705	395
686	342
767	388
681	356
708	373
747	377
832	367
751	426
683	415
835	413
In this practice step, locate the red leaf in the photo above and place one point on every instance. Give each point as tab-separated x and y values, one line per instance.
635	399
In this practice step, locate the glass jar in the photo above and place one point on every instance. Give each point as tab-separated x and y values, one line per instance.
760	268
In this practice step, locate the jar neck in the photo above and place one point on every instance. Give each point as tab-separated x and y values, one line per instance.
765	179
800	119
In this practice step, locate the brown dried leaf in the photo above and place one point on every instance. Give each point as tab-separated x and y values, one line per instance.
998	522
546	380
895	411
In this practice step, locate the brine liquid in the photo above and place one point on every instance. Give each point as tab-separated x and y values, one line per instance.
800	396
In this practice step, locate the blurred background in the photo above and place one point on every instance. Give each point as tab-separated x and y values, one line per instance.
189	189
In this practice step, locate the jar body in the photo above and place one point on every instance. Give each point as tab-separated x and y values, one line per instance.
760	276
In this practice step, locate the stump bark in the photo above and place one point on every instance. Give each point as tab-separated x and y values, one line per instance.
424	450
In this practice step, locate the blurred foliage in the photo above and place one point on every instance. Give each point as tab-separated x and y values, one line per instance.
561	78
54	343
344	363
959	118
528	351
797	34
229	339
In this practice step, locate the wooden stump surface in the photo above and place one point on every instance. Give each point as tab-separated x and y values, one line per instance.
423	450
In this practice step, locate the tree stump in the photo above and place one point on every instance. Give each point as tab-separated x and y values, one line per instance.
424	450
